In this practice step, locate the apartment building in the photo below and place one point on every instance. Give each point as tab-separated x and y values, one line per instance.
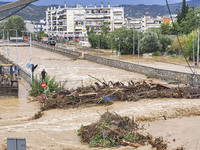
72	22
39	26
144	23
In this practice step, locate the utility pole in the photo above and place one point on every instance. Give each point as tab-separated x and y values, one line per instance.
31	59
99	45
198	40
198	46
133	42
119	52
112	45
193	50
138	49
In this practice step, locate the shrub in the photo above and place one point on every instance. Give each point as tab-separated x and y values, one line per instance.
157	53
36	88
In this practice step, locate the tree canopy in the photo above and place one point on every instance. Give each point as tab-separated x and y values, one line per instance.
15	23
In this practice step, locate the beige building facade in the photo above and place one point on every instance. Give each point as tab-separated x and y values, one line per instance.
144	23
72	22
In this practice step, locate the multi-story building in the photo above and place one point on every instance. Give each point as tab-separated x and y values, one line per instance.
72	22
144	23
39	26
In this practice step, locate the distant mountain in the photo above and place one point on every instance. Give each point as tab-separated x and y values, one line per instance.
36	13
155	10
2	3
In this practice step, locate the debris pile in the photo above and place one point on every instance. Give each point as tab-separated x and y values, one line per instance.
106	93
114	130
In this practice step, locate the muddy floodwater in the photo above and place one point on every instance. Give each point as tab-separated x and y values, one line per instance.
57	129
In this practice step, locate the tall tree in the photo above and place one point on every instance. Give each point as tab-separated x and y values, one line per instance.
150	43
184	10
15	23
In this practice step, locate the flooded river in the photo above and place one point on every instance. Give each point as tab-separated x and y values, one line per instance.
57	129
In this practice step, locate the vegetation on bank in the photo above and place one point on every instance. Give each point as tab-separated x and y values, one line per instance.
156	41
51	87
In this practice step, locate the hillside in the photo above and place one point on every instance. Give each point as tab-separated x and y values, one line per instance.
38	12
155	10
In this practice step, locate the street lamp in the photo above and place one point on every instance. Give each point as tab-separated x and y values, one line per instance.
16	44
198	40
99	43
118	52
133	40
30	56
138	48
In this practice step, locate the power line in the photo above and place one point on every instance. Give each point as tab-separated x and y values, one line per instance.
14	12
176	32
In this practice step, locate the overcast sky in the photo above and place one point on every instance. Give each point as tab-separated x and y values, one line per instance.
98	2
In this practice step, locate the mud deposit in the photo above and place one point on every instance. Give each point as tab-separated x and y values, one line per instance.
57	129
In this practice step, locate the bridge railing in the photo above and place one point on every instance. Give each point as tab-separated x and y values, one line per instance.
22	72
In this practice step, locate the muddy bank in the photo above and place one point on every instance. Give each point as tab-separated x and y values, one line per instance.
57	129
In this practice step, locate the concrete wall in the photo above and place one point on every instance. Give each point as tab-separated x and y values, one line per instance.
69	53
149	71
22	73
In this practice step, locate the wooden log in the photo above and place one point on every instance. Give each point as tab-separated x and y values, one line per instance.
130	144
88	94
119	134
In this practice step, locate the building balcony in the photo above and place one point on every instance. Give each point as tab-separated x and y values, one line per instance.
117	12
93	25
79	27
98	13
97	19
77	13
61	14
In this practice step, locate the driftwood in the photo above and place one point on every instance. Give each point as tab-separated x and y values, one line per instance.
104	93
87	94
130	144
119	134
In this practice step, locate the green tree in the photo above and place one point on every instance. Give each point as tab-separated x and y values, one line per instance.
176	46
15	23
189	23
184	10
165	41
123	39
191	42
150	42
93	39
41	34
165	28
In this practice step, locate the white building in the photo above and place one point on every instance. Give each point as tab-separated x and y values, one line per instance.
40	26
70	22
144	23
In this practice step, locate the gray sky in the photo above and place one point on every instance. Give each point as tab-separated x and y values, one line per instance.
98	2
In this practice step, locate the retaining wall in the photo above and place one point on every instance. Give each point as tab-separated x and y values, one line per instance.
69	53
22	72
149	71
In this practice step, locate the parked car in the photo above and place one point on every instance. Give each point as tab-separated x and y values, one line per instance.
51	42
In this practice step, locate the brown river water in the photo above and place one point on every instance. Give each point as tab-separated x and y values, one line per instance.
57	129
